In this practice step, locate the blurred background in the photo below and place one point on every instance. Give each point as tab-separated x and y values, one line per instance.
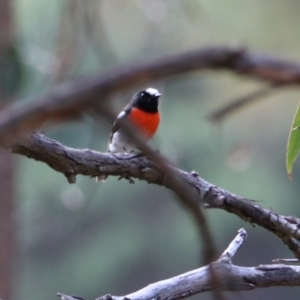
90	239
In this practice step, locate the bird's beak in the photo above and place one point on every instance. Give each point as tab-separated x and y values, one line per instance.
157	95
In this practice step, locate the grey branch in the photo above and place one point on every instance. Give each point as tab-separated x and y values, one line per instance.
230	277
235	245
72	162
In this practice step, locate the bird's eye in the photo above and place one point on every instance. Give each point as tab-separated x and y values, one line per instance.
142	94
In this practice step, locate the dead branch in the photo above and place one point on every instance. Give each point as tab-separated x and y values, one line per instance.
72	162
231	277
72	99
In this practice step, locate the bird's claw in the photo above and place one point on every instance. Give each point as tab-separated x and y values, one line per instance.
136	154
130	180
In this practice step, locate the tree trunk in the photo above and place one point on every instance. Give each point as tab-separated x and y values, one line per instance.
7	225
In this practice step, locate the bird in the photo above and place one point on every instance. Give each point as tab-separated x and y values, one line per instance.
142	111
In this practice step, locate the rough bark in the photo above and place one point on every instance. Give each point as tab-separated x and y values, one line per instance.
72	162
231	278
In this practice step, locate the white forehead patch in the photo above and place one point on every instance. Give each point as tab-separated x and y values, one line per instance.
153	92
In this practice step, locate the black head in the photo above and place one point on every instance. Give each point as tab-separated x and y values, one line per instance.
147	100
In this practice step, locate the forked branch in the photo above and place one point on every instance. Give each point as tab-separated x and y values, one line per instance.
230	278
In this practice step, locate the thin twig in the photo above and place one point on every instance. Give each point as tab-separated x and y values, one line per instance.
222	113
235	244
187	196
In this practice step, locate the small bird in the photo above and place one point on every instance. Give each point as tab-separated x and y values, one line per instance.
143	113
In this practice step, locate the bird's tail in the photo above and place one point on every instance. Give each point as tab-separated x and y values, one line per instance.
101	178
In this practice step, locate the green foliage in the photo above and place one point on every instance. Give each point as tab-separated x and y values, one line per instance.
293	146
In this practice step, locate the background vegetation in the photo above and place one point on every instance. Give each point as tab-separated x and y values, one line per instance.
90	239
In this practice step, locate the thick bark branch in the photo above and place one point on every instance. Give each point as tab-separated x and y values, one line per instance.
71	100
72	162
230	276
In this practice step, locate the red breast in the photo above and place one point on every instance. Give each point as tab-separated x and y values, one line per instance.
146	122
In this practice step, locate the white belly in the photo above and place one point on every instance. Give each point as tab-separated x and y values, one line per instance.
120	144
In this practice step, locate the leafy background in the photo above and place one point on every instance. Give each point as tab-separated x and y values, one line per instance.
90	239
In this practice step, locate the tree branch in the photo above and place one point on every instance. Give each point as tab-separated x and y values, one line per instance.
72	162
231	277
71	100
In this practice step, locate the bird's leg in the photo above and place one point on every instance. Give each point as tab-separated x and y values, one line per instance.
136	154
130	180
